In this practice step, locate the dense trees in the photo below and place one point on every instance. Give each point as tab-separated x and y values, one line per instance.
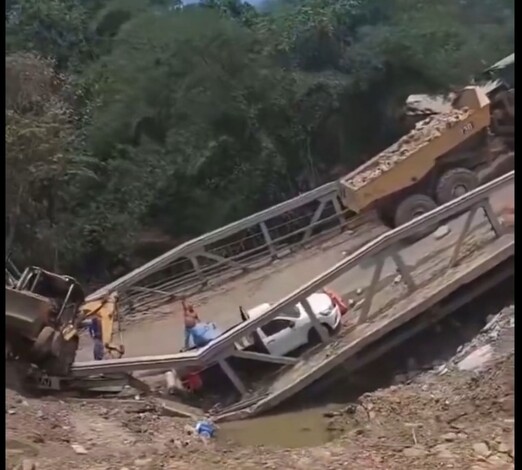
124	115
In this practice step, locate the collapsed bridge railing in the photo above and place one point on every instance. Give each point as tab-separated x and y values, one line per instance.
388	245
241	246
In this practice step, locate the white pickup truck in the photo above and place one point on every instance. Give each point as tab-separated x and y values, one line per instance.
293	329
281	336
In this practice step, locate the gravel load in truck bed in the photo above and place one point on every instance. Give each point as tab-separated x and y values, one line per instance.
424	132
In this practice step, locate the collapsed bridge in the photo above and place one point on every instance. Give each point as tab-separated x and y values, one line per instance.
477	255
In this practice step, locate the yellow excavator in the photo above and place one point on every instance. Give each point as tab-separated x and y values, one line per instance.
45	313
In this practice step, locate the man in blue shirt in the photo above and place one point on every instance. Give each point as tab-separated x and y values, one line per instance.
197	333
95	331
200	334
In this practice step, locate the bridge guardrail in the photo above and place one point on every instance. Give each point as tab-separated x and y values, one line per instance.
244	245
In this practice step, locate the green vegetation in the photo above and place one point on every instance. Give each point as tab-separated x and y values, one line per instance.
129	115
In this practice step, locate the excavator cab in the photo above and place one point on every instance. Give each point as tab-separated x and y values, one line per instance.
12	274
43	315
41	319
10	279
498	82
65	293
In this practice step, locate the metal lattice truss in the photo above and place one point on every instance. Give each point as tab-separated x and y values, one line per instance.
242	246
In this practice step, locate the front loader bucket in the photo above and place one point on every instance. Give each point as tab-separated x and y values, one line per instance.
25	313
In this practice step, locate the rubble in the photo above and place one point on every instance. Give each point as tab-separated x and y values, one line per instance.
477	359
79	449
441	232
482	449
482	350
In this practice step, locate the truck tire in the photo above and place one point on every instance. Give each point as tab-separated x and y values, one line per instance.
454	183
412	207
313	336
61	365
43	344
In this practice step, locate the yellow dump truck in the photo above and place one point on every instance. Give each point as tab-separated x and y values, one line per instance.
434	163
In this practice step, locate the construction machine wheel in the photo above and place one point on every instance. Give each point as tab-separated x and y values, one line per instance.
386	215
313	336
412	207
64	353
43	344
454	183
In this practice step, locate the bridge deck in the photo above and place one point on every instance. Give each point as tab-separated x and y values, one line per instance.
160	332
436	286
474	248
435	260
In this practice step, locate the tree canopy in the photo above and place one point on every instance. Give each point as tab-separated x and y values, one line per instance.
130	115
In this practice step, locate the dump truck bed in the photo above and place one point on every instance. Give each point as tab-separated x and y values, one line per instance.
416	154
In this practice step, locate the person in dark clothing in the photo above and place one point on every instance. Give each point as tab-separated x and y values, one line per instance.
95	331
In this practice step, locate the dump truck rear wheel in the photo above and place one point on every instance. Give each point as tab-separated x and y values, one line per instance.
454	183
412	207
386	216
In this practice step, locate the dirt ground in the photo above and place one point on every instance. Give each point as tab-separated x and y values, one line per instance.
443	418
161	330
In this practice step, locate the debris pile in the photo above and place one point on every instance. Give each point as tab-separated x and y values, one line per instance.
424	132
495	340
458	420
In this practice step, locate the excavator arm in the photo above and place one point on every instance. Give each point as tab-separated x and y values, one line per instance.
106	310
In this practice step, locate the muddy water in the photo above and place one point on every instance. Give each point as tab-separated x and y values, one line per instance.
303	428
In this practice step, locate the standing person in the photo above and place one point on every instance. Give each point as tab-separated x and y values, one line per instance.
95	331
189	312
197	333
190	320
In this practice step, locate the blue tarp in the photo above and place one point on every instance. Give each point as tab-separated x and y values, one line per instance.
201	334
